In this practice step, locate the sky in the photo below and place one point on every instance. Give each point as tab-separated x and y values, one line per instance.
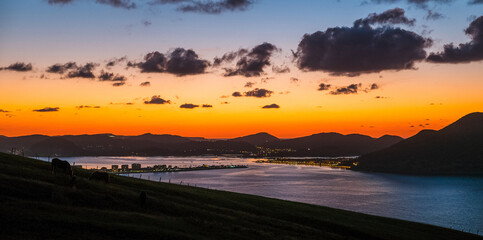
227	68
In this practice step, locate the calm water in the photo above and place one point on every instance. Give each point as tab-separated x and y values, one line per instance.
453	202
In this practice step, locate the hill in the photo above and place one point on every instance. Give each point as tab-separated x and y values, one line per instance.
322	144
334	144
455	149
257	139
38	205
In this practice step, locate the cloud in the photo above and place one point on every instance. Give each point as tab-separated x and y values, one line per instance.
61	68
188	106
249	84
391	16
126	4
207	106
476	2
237	94
418	3
118	84
146	23
271	106
208	6
294	80
115	61
179	62
145	84
118	80
83	71
252	63
433	15
229	57
157	100
19	67
351	89
281	69
86	106
258	93
464	52
374	86
47	109
323	87
3	111
351	51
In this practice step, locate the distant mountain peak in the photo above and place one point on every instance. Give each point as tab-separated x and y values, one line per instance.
256	139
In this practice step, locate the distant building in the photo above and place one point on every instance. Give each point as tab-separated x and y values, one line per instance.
124	167
135	166
115	167
103	169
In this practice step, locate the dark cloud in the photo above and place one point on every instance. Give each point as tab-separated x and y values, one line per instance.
83	71
265	79
146	23
188	106
259	93
179	62
229	57
419	3
391	16
60	1
225	103
280	69
324	87
476	2
61	68
126	4
207	106
115	61
3	111
294	80
351	51
252	63
19	67
465	52
118	80
214	7
374	86
118	84
249	84
351	89
271	106
145	84
47	109
237	94
157	100
86	106
433	15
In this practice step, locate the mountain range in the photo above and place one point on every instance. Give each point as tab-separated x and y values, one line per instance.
260	144
455	149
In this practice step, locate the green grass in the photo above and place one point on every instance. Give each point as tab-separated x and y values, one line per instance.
38	205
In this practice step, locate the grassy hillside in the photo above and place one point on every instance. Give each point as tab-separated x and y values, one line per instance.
38	205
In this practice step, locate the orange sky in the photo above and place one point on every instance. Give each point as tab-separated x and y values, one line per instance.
432	96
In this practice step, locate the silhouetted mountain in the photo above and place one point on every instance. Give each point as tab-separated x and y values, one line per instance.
333	144
20	143
256	139
455	149
324	144
57	145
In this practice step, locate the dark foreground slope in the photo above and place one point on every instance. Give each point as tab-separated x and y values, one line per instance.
37	205
455	149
